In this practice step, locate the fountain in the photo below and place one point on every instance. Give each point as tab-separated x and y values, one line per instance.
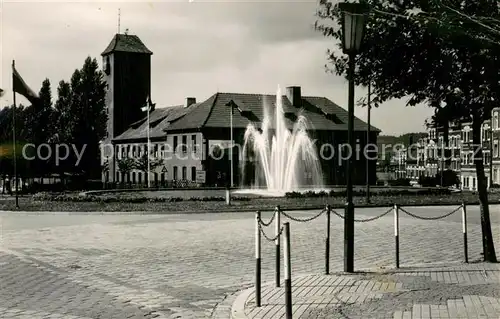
285	160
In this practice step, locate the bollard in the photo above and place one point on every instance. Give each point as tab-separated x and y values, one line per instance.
464	230
277	242
396	232
257	260
228	196
288	273
327	241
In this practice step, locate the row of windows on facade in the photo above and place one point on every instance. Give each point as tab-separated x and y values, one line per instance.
466	134
433	152
463	138
469	182
158	149
141	176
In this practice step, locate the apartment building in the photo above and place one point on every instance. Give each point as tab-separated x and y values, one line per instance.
434	155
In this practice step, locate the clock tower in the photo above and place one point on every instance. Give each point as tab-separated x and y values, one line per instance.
127	70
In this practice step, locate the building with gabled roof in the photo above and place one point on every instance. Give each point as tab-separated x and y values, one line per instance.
185	136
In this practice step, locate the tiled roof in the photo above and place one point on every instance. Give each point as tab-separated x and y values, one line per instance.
159	119
126	43
322	113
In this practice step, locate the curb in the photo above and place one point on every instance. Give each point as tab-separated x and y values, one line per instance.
231	209
238	306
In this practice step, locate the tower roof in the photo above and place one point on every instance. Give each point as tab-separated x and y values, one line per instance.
126	43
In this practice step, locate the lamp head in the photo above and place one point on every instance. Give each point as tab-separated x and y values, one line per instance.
354	16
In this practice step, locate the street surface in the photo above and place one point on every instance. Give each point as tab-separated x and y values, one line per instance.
59	265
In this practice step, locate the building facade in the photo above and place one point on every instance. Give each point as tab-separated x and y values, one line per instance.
434	155
190	143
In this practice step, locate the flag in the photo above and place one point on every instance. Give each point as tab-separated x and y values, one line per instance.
19	86
149	106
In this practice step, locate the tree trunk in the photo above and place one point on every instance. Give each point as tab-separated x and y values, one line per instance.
487	236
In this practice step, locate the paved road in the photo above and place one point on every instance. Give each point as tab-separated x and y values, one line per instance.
181	266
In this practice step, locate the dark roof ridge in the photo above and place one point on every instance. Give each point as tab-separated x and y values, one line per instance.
211	109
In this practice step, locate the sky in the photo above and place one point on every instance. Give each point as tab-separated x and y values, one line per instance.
199	48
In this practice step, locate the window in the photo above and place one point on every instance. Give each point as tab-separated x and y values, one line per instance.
184	143
184	173
175	173
175	144
193	143
193	173
495	149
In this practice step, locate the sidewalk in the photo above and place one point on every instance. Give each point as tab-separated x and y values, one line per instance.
451	292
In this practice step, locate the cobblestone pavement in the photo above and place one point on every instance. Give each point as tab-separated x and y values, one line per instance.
182	266
465	291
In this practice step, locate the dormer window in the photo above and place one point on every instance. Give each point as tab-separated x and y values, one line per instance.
107	66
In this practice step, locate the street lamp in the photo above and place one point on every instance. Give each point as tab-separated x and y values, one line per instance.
368	128
149	107
353	27
231	104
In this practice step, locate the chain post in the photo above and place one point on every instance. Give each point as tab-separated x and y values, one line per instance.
288	273
464	230
257	260
277	213
396	232
327	241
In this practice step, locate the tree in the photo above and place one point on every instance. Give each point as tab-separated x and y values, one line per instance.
88	107
80	114
125	165
39	126
62	119
141	164
450	17
429	61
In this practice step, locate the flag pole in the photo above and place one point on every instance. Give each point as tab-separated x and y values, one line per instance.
149	153
14	137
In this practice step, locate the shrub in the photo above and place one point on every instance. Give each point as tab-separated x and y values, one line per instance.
450	178
400	182
388	192
427	181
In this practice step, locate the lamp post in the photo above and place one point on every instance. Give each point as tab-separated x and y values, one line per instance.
368	128
148	108
231	105
353	27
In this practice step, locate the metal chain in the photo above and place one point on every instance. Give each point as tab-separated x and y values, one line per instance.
365	220
268	238
303	220
430	218
269	222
